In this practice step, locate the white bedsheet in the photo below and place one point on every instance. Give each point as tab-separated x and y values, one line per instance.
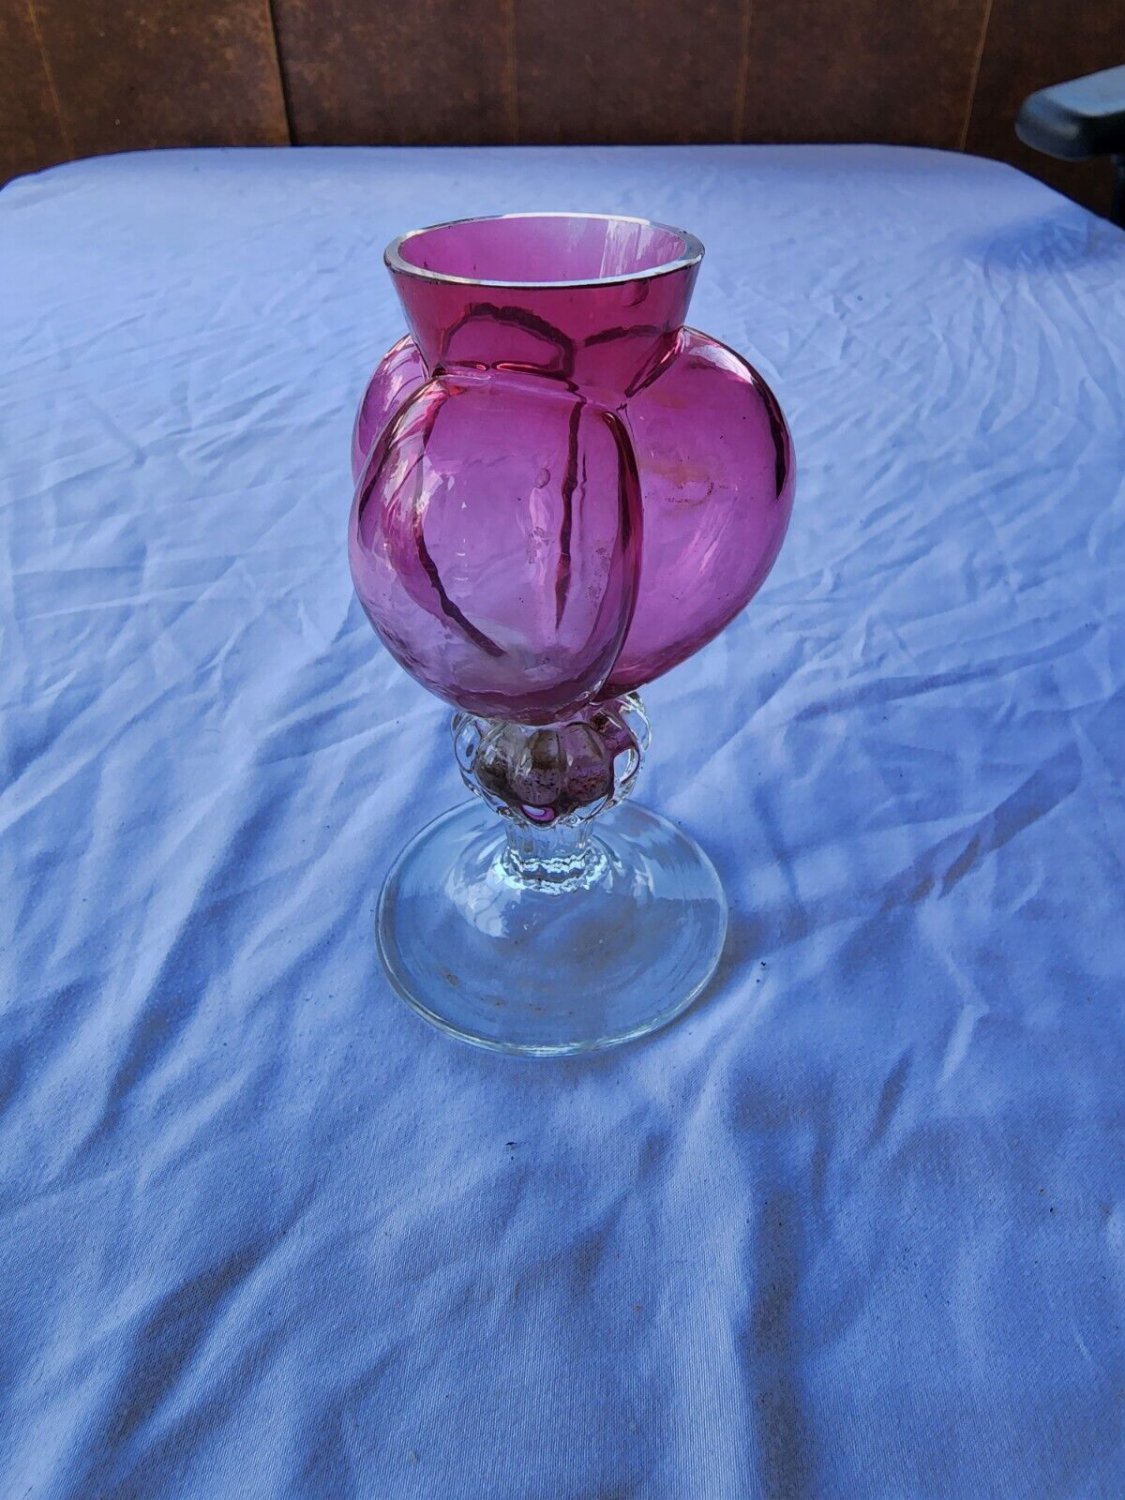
855	1226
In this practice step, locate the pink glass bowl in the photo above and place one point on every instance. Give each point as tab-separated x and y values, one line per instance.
562	491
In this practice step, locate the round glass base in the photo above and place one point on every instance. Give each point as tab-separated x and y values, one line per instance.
603	942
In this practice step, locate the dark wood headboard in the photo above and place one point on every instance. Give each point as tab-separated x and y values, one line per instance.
82	77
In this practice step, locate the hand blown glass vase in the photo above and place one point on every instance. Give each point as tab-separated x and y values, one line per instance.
561	493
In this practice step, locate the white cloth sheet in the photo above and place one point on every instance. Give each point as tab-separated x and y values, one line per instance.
855	1226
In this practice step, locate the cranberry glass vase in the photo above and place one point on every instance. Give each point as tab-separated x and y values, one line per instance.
561	492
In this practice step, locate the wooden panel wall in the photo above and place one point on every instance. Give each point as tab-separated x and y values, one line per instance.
640	71
1033	43
426	71
31	132
122	75
895	72
81	77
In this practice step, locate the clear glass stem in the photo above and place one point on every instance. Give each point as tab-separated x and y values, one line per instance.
559	856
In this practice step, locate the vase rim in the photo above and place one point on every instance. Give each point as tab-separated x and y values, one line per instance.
690	254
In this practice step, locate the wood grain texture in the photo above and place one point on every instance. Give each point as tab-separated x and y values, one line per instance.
421	72
132	74
870	70
31	135
1030	44
629	71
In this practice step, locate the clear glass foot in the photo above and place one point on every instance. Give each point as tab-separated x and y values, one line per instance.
570	954
541	931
